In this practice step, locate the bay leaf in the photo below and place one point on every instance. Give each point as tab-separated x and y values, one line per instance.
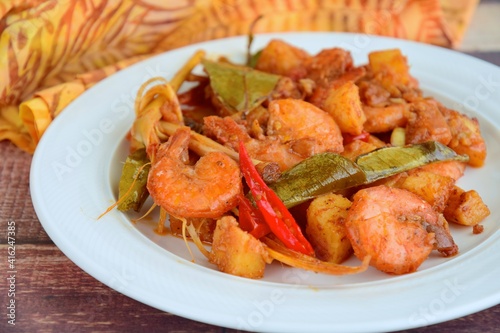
239	88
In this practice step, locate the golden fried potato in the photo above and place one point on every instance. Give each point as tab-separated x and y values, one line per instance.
281	58
356	148
390	63
465	207
236	252
344	105
325	227
433	188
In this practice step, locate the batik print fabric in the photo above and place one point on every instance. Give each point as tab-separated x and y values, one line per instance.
51	51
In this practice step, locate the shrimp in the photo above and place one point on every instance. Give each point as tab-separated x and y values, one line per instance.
452	169
381	119
328	65
283	59
206	190
373	94
426	122
397	228
466	136
268	149
307	129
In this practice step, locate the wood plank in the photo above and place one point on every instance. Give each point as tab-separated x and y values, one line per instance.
15	199
487	321
493	57
54	295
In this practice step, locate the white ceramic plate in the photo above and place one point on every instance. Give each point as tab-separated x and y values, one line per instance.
77	164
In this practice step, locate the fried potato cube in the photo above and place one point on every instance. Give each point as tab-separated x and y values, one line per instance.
204	227
281	58
433	188
236	252
344	105
325	227
356	148
465	207
390	62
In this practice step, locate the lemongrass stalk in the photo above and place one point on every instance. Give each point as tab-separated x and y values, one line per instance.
186	69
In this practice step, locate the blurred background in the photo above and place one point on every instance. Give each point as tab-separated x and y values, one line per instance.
52	51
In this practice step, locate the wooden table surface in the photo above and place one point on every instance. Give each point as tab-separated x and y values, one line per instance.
52	294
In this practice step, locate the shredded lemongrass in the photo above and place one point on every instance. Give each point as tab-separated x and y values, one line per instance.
200	225
197	241
185	70
184	226
298	260
153	206
143	99
162	92
160	228
120	200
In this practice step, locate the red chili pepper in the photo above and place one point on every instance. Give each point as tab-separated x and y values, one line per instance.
348	138
275	213
251	220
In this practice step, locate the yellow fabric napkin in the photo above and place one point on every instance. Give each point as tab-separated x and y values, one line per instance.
51	51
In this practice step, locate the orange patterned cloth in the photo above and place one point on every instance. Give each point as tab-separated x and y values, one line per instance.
53	50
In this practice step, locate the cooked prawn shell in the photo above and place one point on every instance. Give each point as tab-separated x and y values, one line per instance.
268	149
396	228
208	189
452	169
307	129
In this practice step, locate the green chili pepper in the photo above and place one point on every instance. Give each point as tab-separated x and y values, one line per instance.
135	175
